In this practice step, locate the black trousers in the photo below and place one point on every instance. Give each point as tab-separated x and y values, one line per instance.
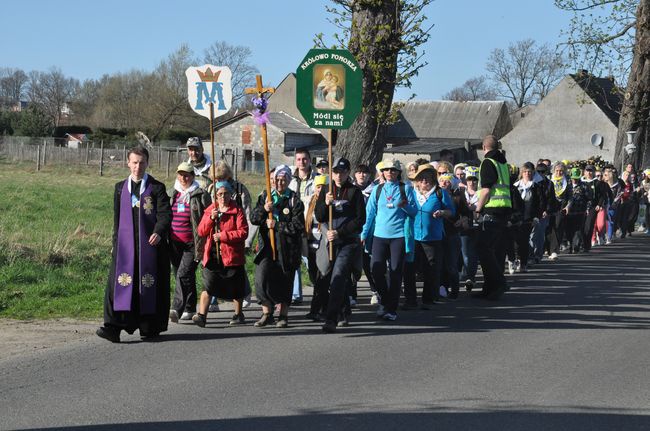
522	240
321	284
588	230
575	230
428	257
184	265
340	278
491	254
392	251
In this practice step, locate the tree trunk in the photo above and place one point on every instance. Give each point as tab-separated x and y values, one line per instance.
636	103
375	42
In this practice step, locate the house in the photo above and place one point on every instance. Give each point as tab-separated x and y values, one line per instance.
240	135
577	120
424	128
74	140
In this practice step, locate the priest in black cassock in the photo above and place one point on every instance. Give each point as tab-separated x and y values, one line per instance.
137	294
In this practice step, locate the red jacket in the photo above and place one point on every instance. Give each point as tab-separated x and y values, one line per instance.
234	231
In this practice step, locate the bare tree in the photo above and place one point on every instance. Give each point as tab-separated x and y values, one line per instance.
51	91
525	72
386	37
613	36
238	59
12	85
477	88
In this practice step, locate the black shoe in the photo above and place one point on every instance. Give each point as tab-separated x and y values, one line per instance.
149	336
199	320
110	334
329	327
237	319
297	301
316	317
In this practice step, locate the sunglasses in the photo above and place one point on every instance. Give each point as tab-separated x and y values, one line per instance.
222	194
390	170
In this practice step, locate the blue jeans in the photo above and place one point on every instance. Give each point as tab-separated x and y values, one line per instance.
297	283
470	256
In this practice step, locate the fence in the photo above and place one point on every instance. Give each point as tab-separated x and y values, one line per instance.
42	151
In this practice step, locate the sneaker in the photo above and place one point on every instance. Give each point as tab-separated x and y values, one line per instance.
511	267
282	322
517	265
173	316
266	319
553	256
353	302
608	241
213	308
443	292
187	315
237	319
109	333
391	317
593	244
199	320
246	302
380	311
469	285
374	300
329	327
344	322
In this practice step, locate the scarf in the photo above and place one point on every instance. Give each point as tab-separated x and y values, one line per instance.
184	196
524	188
559	184
202	166
471	199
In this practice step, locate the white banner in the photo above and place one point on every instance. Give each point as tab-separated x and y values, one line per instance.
209	84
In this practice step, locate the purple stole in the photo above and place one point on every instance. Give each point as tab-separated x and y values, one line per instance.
125	259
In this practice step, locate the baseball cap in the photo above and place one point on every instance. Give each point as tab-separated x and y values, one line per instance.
341	164
590	168
322	163
194	141
185	167
391	164
471	172
321	180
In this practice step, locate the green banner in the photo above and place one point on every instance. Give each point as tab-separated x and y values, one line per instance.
328	88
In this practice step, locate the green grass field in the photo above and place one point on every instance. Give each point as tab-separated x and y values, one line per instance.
55	238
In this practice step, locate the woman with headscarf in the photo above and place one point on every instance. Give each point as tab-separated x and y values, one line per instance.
225	229
274	278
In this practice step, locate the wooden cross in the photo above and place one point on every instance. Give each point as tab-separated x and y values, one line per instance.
259	90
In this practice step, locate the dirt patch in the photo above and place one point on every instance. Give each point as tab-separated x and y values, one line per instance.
26	337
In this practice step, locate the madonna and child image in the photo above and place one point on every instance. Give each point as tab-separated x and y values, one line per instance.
329	87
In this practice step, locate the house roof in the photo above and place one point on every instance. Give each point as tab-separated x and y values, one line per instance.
283	121
603	92
447	119
430	146
76	136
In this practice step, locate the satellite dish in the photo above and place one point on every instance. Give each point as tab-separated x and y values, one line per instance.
596	140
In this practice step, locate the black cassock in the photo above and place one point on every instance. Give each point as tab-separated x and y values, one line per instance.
148	324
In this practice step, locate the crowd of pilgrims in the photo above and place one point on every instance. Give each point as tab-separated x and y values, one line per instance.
393	224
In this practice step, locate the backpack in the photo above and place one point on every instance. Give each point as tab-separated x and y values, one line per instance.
402	191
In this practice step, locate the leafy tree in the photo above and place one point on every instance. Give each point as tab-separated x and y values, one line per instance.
525	72
477	88
386	37
34	122
613	37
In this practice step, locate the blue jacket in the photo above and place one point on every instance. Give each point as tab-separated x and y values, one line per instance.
388	222
426	227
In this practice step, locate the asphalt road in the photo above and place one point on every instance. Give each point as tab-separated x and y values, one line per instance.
566	349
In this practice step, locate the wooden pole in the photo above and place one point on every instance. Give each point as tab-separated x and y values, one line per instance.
169	160
236	163
212	168
38	158
87	151
332	136
101	159
124	156
44	152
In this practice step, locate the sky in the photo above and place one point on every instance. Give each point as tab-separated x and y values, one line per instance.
87	38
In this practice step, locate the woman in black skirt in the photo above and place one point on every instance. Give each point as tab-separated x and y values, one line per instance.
274	278
226	229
